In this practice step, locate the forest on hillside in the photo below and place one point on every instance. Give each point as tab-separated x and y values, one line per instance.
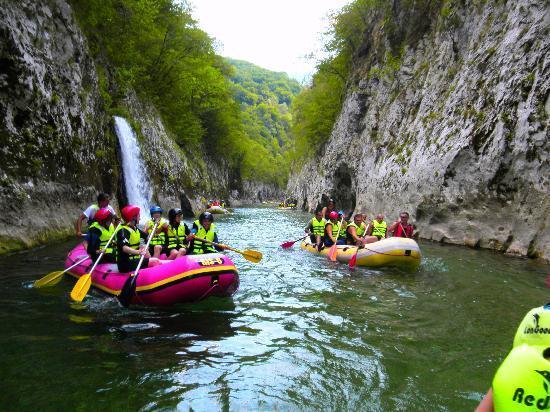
226	108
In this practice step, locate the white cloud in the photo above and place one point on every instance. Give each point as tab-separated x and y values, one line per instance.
276	35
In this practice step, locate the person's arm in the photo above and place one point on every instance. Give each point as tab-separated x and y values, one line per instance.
369	229
324	212
218	248
353	232
486	404
78	224
93	244
328	229
392	228
309	227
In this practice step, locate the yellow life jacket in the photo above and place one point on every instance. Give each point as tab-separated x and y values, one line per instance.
176	237
318	226
534	329
104	237
343	229
134	240
201	247
522	382
379	228
360	230
160	238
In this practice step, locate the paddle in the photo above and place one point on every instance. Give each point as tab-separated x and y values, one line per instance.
129	289
250	255
287	245
353	260
80	290
53	278
333	249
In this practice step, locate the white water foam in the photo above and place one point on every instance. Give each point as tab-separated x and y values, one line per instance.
136	178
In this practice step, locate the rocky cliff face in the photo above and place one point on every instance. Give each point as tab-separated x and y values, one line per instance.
457	134
54	149
58	145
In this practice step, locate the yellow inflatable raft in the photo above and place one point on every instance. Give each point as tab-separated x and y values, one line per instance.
397	252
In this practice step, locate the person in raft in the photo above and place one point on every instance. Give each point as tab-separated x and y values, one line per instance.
331	230
378	229
99	233
401	227
316	228
204	228
356	231
176	235
157	245
330	207
128	238
522	382
103	200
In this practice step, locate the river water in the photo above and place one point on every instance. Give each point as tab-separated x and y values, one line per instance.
301	333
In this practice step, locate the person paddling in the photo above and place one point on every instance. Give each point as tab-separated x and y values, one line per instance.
176	233
157	244
204	228
356	230
103	200
331	230
316	228
128	238
401	227
99	233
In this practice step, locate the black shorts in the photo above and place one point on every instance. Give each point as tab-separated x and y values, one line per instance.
132	265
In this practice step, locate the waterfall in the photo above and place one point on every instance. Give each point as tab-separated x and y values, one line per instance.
136	179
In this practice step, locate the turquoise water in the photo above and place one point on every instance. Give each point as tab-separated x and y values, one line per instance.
301	333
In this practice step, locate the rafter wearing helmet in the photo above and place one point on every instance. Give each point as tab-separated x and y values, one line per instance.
177	233
99	233
129	248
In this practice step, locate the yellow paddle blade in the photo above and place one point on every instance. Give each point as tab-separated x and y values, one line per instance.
332	253
50	279
252	255
81	288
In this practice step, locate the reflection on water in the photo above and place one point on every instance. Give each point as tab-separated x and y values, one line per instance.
301	332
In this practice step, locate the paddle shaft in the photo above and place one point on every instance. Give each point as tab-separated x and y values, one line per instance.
146	248
219	245
103	251
76	264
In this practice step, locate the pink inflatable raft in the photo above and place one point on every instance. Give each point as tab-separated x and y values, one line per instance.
187	279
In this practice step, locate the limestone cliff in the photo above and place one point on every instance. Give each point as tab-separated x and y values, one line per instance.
58	145
457	133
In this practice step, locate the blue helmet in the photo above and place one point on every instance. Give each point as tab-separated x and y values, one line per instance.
155	209
340	213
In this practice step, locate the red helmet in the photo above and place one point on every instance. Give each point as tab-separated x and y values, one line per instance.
129	212
333	215
102	214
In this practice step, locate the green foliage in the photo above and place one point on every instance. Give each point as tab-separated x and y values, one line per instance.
229	108
264	98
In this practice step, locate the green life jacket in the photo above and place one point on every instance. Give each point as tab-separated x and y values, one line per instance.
522	381
105	236
134	240
201	247
379	228
318	226
176	237
160	238
343	229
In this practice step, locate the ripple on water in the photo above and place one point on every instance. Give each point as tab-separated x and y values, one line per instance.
302	333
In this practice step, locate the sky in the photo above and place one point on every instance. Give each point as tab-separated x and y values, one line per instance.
275	35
